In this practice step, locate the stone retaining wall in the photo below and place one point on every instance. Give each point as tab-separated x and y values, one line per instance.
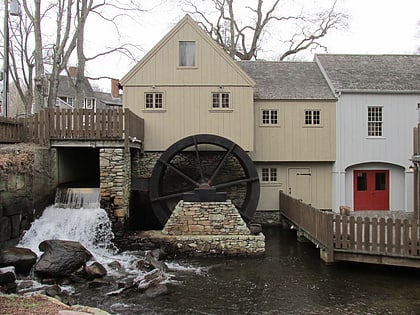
27	185
115	179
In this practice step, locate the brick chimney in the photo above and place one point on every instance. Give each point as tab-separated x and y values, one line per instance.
115	89
73	72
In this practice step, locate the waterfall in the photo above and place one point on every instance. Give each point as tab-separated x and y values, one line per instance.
75	216
76	198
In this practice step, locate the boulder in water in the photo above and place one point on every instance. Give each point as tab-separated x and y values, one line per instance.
8	280
21	258
95	270
61	258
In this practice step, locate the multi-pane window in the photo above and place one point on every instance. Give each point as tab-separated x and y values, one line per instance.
187	54
154	100
67	100
220	101
312	117
269	174
270	117
375	121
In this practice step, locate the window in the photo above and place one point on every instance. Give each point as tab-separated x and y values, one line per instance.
270	117
89	103
269	174
220	101
67	101
375	122
153	100
312	117
187	54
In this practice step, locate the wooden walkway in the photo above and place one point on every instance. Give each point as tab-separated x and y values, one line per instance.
377	240
65	125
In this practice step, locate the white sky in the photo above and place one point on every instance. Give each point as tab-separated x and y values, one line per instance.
375	27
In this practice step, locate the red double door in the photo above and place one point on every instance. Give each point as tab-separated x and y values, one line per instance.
371	189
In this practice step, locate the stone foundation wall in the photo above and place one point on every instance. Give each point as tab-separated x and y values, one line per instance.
115	179
269	217
27	185
208	228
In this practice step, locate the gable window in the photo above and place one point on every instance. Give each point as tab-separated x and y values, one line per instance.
153	100
269	117
269	174
220	100
312	117
375	121
187	54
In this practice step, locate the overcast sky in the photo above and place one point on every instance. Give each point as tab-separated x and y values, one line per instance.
375	27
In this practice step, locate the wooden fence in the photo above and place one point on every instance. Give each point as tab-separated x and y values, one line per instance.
74	124
10	130
353	235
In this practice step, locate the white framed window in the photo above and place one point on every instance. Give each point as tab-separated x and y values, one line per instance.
220	100
375	121
67	100
89	103
153	101
269	175
269	117
312	117
187	54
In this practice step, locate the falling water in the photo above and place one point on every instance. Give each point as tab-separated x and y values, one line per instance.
75	216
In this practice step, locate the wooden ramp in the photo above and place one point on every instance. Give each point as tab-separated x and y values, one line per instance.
377	240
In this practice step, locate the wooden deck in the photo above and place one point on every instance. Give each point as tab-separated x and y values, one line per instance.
61	126
379	240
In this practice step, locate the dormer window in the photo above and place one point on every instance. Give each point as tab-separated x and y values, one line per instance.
187	54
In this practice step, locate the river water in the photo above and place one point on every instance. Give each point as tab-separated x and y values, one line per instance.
289	279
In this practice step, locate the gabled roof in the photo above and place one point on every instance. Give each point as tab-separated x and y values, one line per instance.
185	20
372	73
285	80
66	87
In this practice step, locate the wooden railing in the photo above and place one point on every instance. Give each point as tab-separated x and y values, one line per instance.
74	124
364	235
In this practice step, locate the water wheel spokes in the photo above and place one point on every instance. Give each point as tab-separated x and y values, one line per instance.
204	161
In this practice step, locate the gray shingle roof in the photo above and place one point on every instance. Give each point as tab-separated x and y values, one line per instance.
396	73
285	80
66	88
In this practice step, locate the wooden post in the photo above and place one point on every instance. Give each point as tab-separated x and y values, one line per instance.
327	253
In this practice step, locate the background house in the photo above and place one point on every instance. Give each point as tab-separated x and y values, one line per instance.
378	98
93	99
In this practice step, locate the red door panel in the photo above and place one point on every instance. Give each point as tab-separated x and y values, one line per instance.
371	189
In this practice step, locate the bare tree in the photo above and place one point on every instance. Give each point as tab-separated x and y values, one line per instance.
42	49
243	40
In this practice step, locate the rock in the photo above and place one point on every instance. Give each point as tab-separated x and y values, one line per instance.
53	291
255	228
7	275
96	283
8	280
95	270
61	258
115	265
149	279
21	258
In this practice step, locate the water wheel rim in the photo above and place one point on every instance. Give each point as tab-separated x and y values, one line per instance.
159	200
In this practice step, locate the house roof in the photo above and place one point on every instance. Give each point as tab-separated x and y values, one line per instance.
107	99
372	73
66	88
285	80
